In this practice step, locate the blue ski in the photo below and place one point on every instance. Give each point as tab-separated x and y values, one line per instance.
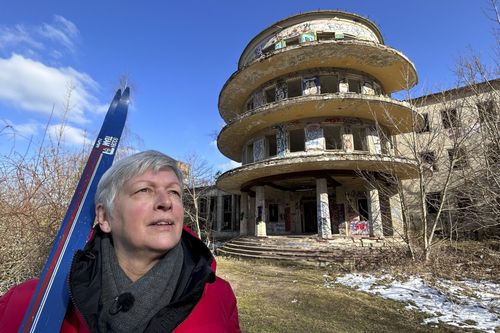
48	305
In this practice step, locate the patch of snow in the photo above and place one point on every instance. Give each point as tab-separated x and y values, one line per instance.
466	303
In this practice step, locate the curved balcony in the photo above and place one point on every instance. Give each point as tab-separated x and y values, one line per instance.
327	162
390	67
397	117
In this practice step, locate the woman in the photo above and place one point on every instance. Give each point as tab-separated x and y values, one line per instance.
141	271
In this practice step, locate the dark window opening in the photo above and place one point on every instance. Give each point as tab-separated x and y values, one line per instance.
354	85
359	138
273	212
493	154
333	137
363	210
433	200
450	118
250	104
329	84
294	87
292	41
271	143
270	94
487	111
213	213
458	158
429	158
426	127
325	35
227	208
249	153
297	140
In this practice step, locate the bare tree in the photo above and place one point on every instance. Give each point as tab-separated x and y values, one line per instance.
199	179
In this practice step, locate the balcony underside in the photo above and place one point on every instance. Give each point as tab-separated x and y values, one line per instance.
340	167
397	117
393	70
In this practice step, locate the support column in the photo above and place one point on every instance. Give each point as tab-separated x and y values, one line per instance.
323	209
243	213
375	216
220	211
396	214
260	212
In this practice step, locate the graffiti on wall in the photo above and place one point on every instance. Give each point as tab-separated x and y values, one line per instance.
259	98
314	137
310	86
281	90
258	149
281	140
324	216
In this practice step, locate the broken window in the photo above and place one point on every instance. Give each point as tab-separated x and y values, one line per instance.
329	84
249	158
359	137
271	144
227	208
325	35
333	137
292	41
450	118
297	140
294	87
487	111
429	158
433	200
426	127
458	158
310	86
354	85
270	94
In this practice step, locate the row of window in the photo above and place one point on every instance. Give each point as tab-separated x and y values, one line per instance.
313	85
450	117
458	157
305	37
324	137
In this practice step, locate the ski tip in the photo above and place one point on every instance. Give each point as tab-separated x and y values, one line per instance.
126	93
118	94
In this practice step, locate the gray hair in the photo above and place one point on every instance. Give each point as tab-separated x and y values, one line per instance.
113	179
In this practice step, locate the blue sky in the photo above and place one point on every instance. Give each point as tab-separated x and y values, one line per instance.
177	55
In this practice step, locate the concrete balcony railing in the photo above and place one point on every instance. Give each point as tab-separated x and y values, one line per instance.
389	67
395	116
328	163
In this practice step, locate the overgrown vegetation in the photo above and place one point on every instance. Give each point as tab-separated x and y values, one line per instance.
293	299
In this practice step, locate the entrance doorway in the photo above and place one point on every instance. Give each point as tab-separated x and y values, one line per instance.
310	224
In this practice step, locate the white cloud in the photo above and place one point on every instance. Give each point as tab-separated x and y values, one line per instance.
229	165
68	134
60	31
33	86
49	38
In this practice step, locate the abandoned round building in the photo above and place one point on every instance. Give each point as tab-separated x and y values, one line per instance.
310	117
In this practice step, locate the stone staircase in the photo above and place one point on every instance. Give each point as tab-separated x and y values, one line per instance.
344	251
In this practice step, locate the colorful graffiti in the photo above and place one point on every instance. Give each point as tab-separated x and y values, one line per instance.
281	140
310	86
314	137
281	90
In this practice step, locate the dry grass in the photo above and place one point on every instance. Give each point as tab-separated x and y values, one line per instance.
293	299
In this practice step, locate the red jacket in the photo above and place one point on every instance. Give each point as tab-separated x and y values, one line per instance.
214	312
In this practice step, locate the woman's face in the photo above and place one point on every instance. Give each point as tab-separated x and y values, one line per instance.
147	217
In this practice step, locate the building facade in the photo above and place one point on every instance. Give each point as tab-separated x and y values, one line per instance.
309	115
